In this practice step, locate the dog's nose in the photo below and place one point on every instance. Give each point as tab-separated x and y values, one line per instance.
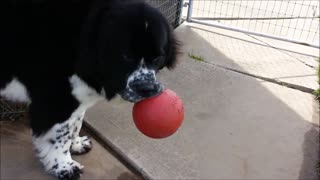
146	88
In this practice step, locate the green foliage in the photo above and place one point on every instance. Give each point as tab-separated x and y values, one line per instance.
196	57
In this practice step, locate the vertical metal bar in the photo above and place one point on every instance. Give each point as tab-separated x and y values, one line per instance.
304	22
190	7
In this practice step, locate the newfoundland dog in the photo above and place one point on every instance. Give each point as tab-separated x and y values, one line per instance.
62	56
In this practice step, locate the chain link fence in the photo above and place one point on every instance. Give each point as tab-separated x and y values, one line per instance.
290	20
172	9
11	111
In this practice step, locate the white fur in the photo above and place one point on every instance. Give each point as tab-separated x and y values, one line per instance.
50	155
53	147
103	92
79	144
86	95
15	91
53	150
139	73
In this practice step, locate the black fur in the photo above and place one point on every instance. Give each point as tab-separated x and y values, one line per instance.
44	42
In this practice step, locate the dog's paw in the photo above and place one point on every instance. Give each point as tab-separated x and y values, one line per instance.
68	170
81	145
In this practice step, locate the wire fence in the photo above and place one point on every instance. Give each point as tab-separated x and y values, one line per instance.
172	9
10	110
296	20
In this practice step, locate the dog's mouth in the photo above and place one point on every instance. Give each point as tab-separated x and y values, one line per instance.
132	96
141	84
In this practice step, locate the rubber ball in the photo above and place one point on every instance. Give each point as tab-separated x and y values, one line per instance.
160	116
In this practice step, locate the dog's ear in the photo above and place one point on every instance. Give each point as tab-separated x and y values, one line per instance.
168	46
173	51
163	36
157	31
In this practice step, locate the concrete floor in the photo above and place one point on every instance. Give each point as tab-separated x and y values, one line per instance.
235	127
253	55
18	160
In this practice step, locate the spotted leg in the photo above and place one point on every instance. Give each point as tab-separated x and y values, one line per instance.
53	150
79	145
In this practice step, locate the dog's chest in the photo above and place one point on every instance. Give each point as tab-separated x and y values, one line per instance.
15	91
86	95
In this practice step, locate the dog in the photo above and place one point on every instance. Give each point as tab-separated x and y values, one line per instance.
62	56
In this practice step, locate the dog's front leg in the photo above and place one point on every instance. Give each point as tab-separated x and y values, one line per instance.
53	149
79	145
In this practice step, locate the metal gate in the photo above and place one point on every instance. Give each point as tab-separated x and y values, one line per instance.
294	21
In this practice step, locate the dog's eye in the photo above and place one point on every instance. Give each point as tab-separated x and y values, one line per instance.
127	59
157	59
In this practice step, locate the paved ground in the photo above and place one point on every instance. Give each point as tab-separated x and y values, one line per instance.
236	126
18	160
254	55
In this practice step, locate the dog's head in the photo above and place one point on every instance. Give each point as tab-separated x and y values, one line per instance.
130	42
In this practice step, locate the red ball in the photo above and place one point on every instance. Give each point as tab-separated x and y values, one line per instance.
160	116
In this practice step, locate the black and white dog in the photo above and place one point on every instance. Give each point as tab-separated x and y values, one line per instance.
62	56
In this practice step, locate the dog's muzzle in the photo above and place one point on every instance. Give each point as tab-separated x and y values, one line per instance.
141	84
